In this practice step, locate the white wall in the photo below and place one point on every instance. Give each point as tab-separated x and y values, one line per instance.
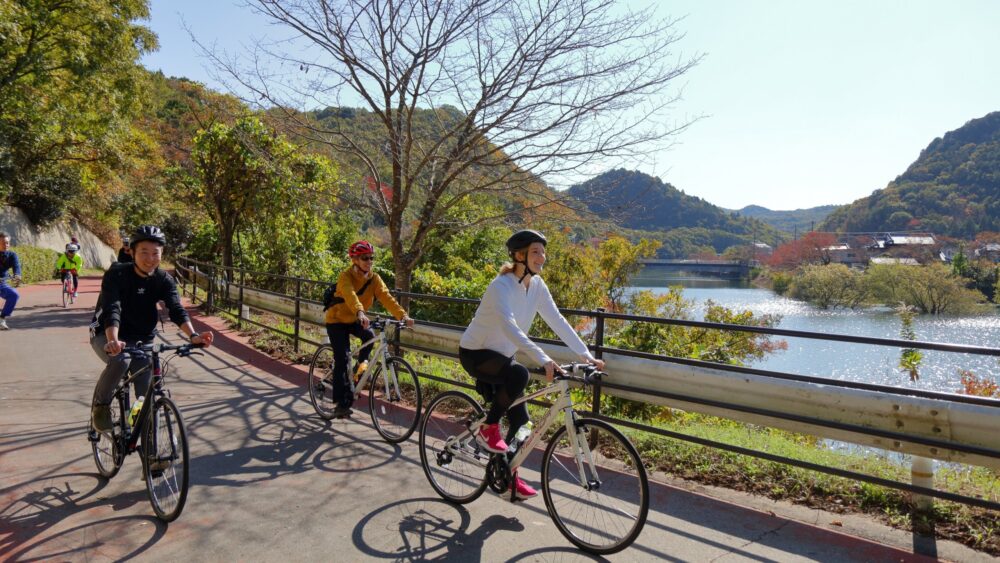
23	233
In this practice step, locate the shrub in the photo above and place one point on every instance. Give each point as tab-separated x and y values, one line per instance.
780	282
36	263
831	285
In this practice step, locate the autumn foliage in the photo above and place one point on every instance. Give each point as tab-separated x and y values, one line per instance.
810	249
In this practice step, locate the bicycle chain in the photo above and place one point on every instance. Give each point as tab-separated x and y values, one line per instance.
498	474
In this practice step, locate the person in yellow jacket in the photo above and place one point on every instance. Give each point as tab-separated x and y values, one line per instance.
357	289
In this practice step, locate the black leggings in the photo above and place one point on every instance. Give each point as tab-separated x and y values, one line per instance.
501	380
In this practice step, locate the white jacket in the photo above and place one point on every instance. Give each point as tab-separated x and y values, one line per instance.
505	315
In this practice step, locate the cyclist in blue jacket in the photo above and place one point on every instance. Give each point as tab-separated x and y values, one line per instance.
8	261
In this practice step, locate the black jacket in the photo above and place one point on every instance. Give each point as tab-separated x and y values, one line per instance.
128	301
123	256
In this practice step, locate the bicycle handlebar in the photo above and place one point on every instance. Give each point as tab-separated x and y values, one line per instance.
379	323
590	373
141	349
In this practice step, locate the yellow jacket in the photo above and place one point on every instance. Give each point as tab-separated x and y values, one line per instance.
347	286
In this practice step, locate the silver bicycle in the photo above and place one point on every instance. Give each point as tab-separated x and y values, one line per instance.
593	481
393	388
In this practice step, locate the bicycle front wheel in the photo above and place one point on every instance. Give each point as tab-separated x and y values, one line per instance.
108	453
452	460
394	400
65	296
321	382
600	504
165	460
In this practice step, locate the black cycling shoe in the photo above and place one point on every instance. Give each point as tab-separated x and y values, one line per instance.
342	412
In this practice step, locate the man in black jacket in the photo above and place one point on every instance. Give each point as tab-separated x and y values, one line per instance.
124	253
126	313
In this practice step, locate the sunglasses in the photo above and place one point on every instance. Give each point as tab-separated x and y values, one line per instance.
367	258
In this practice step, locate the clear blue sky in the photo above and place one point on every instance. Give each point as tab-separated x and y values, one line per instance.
806	102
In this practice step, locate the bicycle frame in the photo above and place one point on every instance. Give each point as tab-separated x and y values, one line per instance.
155	387
379	354
562	405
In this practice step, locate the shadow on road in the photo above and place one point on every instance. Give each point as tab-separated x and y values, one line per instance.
427	529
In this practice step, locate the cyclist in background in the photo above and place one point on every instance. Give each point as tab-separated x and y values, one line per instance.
124	253
71	262
357	288
499	330
126	314
8	262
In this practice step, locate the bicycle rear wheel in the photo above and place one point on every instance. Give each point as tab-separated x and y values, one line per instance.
107	447
605	510
165	460
456	471
321	382
394	400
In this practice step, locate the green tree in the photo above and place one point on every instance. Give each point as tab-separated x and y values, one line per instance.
960	262
69	89
619	263
909	358
829	285
930	289
250	176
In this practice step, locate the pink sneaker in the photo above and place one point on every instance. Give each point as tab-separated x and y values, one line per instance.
522	490
489	438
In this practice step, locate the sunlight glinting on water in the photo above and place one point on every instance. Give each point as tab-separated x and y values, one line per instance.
939	371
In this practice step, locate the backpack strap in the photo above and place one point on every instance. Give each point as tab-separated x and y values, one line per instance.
359	293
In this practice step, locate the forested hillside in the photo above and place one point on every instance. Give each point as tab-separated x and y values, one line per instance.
685	224
953	188
796	220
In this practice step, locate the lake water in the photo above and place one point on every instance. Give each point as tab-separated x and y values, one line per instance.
856	362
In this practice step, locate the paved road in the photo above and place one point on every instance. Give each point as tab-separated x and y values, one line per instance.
271	481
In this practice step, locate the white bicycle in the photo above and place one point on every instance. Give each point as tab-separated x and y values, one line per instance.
593	481
393	387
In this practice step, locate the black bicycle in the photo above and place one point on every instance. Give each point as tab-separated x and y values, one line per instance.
164	447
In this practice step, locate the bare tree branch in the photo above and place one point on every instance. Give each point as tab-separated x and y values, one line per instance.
518	93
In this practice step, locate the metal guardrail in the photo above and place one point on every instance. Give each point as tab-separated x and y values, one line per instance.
926	424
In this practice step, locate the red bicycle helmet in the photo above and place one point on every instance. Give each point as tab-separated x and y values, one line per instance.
361	248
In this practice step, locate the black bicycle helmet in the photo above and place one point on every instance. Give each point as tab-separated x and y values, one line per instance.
523	239
519	241
150	233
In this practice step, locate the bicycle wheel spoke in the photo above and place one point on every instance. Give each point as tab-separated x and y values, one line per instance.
452	461
605	512
321	382
166	460
394	400
107	455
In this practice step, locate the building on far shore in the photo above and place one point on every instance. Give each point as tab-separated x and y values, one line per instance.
892	260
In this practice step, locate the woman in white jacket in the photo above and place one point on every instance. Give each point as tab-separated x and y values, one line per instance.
499	330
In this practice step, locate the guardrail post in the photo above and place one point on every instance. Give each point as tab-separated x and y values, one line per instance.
194	284
239	304
595	407
298	311
396	350
922	475
210	298
179	273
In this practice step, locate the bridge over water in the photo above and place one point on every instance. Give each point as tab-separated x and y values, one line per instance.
271	481
656	269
